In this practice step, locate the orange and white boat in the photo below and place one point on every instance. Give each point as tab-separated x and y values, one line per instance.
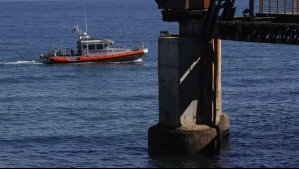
91	49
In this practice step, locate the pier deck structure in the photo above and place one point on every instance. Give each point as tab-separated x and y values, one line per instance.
189	66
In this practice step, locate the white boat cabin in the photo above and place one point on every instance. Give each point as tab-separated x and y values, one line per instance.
98	46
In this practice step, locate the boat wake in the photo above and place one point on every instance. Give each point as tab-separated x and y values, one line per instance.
33	62
129	62
138	60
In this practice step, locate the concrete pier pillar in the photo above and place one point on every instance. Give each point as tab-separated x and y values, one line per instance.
186	98
179	99
178	80
222	120
251	8
190	98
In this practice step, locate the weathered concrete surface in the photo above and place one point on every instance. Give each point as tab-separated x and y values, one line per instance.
169	141
192	28
187	122
224	125
165	140
179	82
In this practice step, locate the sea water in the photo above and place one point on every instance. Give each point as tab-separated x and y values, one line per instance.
98	115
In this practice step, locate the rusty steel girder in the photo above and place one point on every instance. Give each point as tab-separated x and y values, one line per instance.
280	33
183	4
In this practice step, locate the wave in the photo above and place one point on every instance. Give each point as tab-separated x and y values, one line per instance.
33	62
132	62
138	60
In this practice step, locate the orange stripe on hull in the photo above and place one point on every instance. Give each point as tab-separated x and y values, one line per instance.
103	58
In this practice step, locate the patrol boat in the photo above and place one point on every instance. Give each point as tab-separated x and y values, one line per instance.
90	49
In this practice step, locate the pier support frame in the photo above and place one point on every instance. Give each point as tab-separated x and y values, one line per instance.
190	98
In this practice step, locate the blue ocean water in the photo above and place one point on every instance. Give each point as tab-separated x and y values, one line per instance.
97	115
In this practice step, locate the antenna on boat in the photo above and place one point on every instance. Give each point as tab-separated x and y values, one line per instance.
77	20
86	34
76	29
77	26
85	16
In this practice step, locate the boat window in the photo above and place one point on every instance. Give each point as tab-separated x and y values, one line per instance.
100	46
84	46
91	47
106	45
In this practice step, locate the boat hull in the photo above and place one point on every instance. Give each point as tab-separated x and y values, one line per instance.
118	57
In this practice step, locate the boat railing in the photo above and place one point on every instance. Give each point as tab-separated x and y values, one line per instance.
124	47
139	46
65	52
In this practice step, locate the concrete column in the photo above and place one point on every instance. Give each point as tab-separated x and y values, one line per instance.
180	97
187	79
179	59
218	84
191	28
222	120
251	7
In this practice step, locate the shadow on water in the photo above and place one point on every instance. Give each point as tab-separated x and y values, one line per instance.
186	161
191	161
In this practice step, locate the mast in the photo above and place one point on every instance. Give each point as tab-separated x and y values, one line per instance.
77	30
77	27
85	18
87	47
